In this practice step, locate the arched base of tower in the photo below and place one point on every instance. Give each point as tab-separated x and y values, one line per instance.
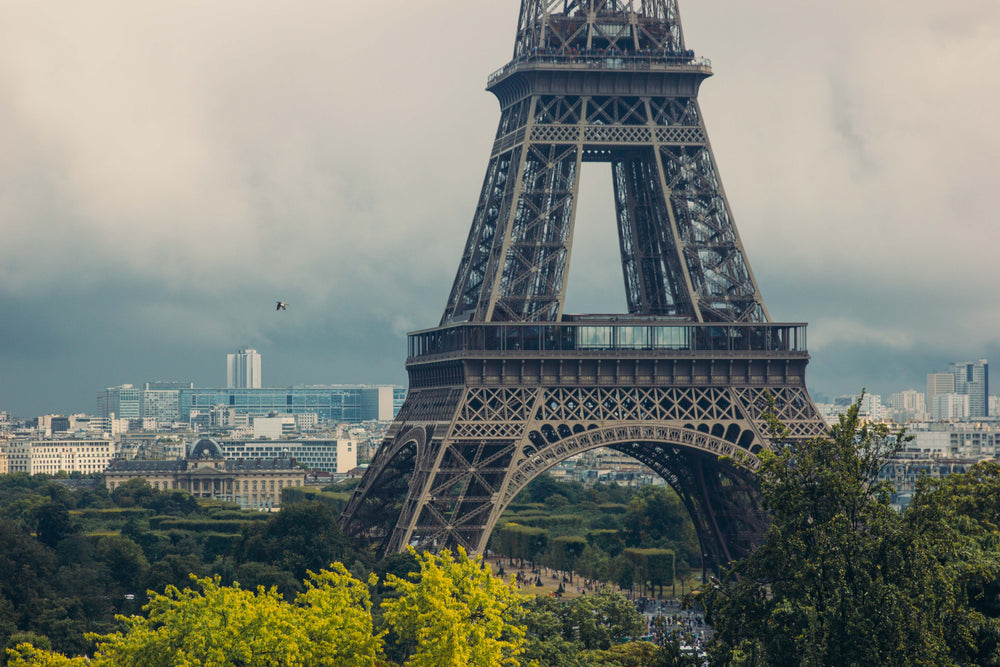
457	457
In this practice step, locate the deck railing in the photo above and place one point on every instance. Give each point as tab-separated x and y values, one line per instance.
595	59
592	335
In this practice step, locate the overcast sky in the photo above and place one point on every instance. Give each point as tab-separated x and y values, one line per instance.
169	170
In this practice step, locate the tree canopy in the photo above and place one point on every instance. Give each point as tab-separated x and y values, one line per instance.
452	612
844	579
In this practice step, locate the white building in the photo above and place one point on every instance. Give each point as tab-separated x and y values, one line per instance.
306	421
937	384
243	370
970	441
950	406
226	417
871	408
273	427
336	456
88	455
908	405
114	426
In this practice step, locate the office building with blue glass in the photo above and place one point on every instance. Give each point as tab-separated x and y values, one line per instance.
335	403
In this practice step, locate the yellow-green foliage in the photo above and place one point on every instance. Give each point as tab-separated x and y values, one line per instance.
456	613
26	655
453	612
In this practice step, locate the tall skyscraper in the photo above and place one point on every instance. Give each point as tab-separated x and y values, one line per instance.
124	402
972	379
243	370
937	385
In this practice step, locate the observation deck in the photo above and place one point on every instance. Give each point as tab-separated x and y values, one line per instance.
601	59
608	349
599	72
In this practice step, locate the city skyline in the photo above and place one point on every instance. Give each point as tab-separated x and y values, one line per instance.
171	172
109	394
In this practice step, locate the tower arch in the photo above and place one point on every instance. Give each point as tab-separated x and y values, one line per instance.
682	457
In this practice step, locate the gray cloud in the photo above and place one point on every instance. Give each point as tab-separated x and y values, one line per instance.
171	169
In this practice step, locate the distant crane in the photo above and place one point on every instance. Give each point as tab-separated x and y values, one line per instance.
282	306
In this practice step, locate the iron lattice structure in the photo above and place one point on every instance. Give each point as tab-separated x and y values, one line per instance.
508	385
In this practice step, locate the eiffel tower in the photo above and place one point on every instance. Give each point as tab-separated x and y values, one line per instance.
508	385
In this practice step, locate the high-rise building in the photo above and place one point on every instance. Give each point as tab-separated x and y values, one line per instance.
908	405
938	384
972	379
124	402
950	406
243	370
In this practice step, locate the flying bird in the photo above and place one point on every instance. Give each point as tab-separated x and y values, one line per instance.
281	306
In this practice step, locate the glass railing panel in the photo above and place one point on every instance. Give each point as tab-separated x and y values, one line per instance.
531	338
671	338
591	336
493	337
632	338
595	338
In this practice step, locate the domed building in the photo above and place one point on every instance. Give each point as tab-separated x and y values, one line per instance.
206	473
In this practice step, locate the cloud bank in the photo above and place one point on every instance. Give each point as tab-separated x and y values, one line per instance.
171	169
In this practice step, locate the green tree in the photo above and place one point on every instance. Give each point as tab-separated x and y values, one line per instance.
132	493
658	518
954	525
521	542
831	584
544	640
565	551
300	538
215	625
609	540
601	619
655	566
126	563
52	522
454	612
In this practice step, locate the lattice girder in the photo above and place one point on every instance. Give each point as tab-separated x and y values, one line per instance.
681	253
461	484
627	26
